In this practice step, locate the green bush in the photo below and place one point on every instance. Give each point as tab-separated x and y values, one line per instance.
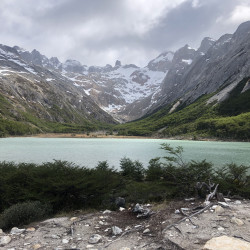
132	169
23	213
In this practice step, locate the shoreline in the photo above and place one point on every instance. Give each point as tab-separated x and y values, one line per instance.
99	135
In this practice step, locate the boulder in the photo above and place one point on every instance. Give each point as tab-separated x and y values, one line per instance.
237	221
116	230
120	202
226	243
4	240
219	210
95	238
106	212
16	230
37	246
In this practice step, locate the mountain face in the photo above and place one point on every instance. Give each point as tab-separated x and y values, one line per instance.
29	87
115	89
30	80
215	65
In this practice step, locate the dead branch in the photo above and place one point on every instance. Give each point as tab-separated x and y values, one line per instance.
190	216
211	195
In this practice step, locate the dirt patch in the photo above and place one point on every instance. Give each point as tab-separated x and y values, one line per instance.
144	233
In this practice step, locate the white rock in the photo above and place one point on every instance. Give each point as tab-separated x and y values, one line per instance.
54	236
1	231
221	228
206	203
106	212
4	240
125	248
237	202
214	206
65	241
146	231
116	230
16	230
121	209
30	229
237	221
219	210
177	211
101	222
95	238
227	200
73	218
223	204
226	243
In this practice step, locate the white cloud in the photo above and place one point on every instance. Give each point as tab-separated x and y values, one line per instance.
240	14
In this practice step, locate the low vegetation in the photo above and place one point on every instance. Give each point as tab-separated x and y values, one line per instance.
227	120
63	186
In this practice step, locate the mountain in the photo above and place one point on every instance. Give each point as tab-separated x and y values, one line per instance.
205	91
31	93
70	92
225	62
115	88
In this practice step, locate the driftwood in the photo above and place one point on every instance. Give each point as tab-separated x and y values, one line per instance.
212	194
190	216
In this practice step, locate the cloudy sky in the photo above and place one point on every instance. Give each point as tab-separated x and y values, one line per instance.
97	32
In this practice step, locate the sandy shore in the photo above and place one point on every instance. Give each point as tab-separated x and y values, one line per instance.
93	135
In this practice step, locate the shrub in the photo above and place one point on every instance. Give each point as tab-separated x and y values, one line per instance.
132	169
155	170
23	213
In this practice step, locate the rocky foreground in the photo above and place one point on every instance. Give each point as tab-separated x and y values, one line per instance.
177	225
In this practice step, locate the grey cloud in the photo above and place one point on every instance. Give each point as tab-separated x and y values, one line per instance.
101	31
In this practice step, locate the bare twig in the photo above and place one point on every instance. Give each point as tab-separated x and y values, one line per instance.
188	217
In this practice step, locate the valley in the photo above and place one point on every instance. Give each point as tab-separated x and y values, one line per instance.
195	93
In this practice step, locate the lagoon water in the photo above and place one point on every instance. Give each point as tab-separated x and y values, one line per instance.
87	151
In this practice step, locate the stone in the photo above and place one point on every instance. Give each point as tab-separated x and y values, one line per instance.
37	246
206	203
1	231
120	202
237	202
16	230
4	240
116	230
65	241
121	209
125	248
30	229
237	221
223	204
54	236
221	228
106	212
95	238
226	243
146	231
219	210
73	218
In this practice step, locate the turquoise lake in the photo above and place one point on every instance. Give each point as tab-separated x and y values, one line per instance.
87	151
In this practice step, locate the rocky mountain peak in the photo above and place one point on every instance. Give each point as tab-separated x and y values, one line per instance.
243	29
206	43
162	62
73	66
118	63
